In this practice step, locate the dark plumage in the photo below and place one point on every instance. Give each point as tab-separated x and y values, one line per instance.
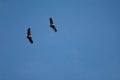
29	36
52	25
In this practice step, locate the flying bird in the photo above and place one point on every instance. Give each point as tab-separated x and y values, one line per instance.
29	36
52	25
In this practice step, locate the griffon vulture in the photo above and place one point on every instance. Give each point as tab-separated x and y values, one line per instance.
52	25
29	36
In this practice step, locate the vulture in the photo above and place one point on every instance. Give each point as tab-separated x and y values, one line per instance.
29	36
52	25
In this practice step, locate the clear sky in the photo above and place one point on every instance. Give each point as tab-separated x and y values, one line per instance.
86	46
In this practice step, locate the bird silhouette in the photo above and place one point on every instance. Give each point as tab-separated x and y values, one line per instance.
29	36
52	25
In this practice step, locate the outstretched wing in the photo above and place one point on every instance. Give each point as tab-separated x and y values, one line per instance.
51	21
28	32
54	28
30	39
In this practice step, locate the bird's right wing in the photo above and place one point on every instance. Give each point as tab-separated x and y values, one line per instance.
28	31
51	21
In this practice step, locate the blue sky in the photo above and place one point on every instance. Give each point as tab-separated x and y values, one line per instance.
86	46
